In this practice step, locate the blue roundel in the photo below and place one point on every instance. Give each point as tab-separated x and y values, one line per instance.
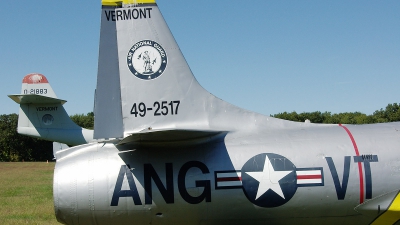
269	180
147	60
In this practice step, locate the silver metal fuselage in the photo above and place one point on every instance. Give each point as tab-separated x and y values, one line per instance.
181	181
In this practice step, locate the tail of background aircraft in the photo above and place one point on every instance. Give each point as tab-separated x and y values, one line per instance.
155	90
42	114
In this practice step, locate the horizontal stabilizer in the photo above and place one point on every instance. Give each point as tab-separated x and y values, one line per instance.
175	137
35	99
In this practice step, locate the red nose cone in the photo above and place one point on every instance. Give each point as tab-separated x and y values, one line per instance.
35	78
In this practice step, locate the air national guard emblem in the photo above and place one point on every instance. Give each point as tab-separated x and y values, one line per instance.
147	60
47	119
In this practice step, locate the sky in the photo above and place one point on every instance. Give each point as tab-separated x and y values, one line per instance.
264	56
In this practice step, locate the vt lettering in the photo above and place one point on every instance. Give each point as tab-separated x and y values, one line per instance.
340	188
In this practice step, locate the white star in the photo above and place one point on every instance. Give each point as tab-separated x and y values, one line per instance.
269	179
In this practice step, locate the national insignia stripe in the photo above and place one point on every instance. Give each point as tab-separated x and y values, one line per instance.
309	177
301	177
228	179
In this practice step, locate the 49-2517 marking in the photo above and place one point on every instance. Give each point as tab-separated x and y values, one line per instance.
162	108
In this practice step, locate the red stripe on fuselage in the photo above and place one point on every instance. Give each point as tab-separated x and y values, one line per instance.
304	177
229	179
360	172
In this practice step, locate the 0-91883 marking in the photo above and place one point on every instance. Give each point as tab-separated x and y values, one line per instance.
36	91
162	108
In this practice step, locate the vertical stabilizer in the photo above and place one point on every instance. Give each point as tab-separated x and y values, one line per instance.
107	111
156	88
38	84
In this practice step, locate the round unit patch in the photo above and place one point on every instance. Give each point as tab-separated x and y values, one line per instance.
147	60
269	180
47	119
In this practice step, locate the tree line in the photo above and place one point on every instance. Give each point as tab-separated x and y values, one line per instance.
16	148
390	114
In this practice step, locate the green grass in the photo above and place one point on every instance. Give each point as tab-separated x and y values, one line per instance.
26	193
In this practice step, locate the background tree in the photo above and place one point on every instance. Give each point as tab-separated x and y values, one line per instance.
390	114
15	147
85	121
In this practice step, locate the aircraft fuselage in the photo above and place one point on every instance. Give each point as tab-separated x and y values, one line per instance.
316	173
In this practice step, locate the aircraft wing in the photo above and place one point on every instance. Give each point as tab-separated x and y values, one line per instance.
386	207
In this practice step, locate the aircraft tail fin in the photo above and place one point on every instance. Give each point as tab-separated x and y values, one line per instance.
42	114
150	85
